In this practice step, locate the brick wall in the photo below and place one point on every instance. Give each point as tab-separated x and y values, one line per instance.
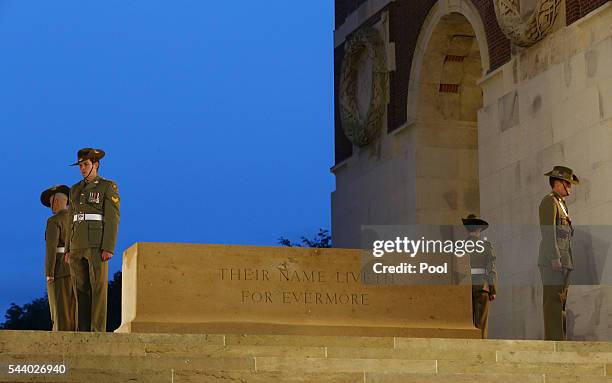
406	18
499	45
576	9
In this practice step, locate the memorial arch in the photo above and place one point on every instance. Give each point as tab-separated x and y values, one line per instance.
421	166
450	58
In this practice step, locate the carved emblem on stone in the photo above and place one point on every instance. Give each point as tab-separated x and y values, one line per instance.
363	86
526	31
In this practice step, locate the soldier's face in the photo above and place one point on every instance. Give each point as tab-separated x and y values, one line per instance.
58	202
564	188
88	168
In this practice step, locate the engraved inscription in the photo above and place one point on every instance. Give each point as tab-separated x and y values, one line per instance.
296	296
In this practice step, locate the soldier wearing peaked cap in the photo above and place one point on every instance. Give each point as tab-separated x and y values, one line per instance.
555	255
483	272
59	286
94	221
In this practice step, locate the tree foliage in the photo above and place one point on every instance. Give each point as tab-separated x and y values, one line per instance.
36	315
31	316
321	240
113	312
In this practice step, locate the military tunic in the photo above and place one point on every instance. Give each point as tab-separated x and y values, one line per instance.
59	291
94	213
484	283
556	229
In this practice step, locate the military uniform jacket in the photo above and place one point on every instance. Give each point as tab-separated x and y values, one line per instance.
556	229
55	236
484	260
100	196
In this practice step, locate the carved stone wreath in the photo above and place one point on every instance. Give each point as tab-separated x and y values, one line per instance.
365	44
535	28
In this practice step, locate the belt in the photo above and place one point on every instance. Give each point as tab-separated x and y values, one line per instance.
60	250
87	217
478	271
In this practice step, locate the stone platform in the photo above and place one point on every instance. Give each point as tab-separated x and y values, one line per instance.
181	358
186	288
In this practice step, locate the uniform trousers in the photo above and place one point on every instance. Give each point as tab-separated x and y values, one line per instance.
90	280
480	310
61	304
554	283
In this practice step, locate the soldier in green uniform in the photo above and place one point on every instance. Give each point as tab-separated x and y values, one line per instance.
555	256
59	286
483	272
94	221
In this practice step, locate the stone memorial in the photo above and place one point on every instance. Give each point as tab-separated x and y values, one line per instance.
186	288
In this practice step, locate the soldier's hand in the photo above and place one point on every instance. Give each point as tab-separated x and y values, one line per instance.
492	297
67	258
50	279
556	265
106	255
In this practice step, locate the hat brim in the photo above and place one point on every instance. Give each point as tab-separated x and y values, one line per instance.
574	180
475	222
98	157
46	195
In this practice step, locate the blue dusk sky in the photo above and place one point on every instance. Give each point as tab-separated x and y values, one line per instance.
216	117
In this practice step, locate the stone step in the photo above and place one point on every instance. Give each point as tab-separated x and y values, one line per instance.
194	350
211	376
358	347
428	366
477	345
180	376
46	337
568	357
470	367
310	340
483	377
155	358
95	376
155	349
8	336
129	363
179	350
314	364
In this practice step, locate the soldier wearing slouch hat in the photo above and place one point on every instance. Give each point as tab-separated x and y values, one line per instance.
555	254
483	273
94	221
59	286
